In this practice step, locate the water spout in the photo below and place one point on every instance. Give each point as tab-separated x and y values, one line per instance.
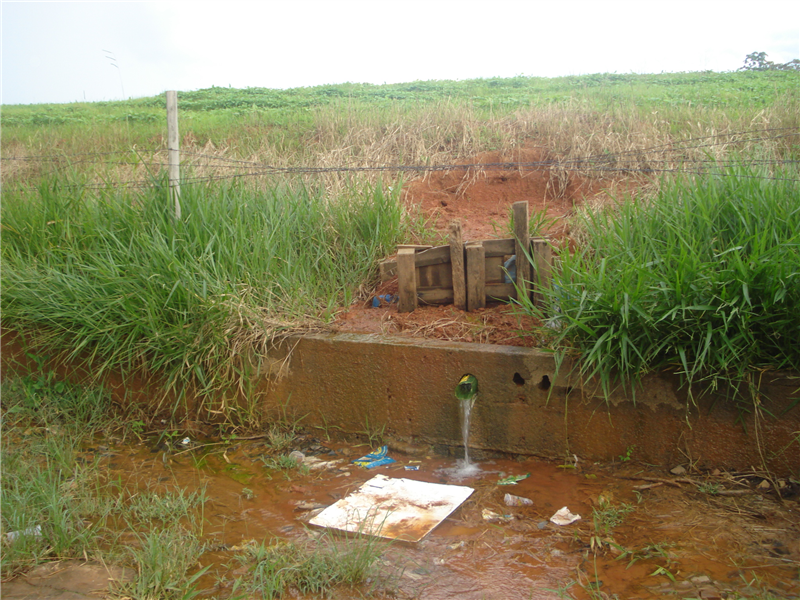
466	393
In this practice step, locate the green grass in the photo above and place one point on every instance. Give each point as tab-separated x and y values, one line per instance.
316	568
61	506
702	280
111	279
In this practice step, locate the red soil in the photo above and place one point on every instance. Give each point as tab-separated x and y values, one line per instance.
481	198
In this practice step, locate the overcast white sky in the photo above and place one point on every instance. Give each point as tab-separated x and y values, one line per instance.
59	51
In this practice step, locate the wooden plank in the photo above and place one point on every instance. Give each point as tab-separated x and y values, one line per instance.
500	291
433	256
522	240
494	269
388	270
436	296
476	276
543	256
407	281
499	247
415	247
458	275
435	276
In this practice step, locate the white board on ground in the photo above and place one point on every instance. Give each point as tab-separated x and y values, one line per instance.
396	509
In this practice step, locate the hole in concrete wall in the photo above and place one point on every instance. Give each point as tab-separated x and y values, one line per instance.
544	384
518	379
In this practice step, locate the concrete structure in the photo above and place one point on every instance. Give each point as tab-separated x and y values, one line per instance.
405	388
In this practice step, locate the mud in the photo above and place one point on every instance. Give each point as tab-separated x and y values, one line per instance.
680	536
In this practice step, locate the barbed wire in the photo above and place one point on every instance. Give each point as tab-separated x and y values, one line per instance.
605	162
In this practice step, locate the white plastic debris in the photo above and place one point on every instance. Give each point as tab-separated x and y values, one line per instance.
564	517
30	531
512	500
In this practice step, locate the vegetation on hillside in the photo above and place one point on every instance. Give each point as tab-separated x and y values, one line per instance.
93	265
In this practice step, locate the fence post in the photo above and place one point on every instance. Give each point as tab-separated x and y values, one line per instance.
173	146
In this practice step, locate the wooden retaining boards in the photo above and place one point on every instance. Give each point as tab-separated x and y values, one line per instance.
467	274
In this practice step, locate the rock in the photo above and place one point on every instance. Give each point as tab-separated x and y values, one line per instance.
700	579
764	485
679	470
716	473
710	593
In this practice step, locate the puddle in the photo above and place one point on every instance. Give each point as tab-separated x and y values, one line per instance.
667	538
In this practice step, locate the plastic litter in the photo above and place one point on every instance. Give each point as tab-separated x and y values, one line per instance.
513	479
411	467
30	531
564	517
376	300
376	458
493	517
512	500
510	266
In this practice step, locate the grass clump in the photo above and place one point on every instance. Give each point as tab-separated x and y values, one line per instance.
703	280
277	568
50	501
111	279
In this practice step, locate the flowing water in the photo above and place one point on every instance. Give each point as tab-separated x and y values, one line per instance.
487	549
635	539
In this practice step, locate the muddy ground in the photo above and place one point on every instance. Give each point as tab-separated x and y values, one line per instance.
644	533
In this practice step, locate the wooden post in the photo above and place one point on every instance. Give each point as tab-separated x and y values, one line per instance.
543	255
522	241
173	146
406	280
457	265
476	275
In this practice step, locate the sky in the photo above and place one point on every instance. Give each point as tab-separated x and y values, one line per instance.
57	52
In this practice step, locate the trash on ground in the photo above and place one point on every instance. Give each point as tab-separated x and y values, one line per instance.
401	509
316	464
376	458
512	500
30	532
411	467
564	517
493	517
513	479
376	300
312	462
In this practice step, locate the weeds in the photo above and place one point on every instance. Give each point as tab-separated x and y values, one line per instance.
312	569
163	559
109	279
701	280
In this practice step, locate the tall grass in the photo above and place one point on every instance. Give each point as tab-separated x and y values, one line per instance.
110	278
703	280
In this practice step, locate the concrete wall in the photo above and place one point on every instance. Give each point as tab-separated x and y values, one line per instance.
405	388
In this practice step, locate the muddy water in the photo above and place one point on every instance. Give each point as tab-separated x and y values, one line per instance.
675	539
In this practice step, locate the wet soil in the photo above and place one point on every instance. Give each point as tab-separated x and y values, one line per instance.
677	536
481	198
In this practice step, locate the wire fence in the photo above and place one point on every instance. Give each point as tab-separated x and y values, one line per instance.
672	157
